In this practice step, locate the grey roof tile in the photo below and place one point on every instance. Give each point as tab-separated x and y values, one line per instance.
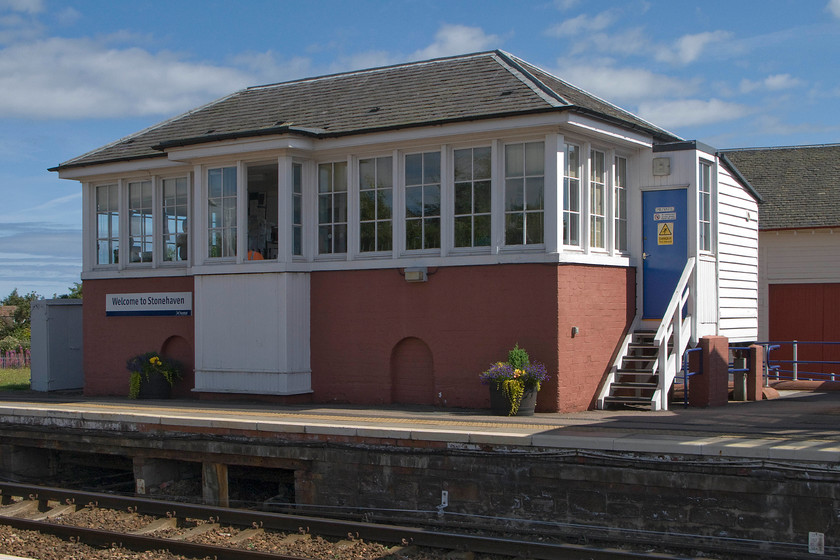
800	185
469	87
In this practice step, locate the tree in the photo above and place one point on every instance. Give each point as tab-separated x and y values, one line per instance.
22	313
74	293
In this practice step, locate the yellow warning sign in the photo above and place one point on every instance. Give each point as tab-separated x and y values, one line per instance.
665	233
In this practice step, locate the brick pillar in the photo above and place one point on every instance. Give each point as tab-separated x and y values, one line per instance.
711	388
755	377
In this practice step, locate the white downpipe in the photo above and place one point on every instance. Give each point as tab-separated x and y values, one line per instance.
673	323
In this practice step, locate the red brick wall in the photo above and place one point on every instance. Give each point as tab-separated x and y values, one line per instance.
110	341
601	302
468	317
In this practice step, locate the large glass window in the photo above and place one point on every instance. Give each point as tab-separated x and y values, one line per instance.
174	227
221	212
297	209
107	224
705	210
141	223
375	204
262	212
598	200
620	202
422	201
332	207
524	193
472	197
571	196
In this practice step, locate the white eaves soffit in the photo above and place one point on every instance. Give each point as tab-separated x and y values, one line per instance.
566	121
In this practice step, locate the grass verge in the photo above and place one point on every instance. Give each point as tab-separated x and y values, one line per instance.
14	379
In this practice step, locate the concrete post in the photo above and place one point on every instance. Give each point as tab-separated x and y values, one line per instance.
214	484
149	473
711	388
755	377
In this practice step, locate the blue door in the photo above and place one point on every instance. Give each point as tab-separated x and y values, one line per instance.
665	246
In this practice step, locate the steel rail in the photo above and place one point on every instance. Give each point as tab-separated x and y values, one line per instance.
338	528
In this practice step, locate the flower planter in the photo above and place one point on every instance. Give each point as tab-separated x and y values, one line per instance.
500	405
155	387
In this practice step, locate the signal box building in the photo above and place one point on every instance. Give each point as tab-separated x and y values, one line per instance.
383	236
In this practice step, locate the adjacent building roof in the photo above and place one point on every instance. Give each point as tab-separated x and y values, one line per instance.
469	87
800	185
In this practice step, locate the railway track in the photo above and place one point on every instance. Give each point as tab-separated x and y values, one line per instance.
197	531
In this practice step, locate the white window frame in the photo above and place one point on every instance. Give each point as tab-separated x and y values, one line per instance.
394	217
423	218
161	235
619	213
235	229
112	238
598	220
332	224
453	181
705	213
140	238
525	212
567	209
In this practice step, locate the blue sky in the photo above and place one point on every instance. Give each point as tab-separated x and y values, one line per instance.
75	75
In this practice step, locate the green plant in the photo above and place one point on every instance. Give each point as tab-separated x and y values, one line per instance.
515	376
150	363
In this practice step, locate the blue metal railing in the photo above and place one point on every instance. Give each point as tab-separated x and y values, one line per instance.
779	369
687	374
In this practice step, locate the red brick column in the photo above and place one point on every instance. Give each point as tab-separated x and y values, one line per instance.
711	388
755	376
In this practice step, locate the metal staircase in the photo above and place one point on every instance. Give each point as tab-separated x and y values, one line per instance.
648	361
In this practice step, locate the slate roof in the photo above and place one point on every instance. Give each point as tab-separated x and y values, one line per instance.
800	185
469	87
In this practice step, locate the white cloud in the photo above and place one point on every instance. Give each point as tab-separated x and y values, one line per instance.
81	78
775	82
582	24
564	5
688	48
267	67
691	112
834	7
24	6
624	85
457	39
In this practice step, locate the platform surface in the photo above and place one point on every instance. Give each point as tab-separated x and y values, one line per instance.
800	426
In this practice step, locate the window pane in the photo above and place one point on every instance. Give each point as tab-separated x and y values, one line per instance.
367	236
383	235
324	239
367	174
413	234
534	230
463	165
324	177
463	198
431	233
514	229
414	169
340	238
324	210
414	202
383	172
431	167
482	197
534	158
514	160
340	207
384	204
534	193
481	163
514	196
367	205
340	176
431	200
463	231
481	225
229	181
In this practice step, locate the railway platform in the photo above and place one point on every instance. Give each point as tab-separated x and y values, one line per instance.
802	425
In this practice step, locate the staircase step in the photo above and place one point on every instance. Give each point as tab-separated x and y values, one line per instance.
627	400
634	371
633	385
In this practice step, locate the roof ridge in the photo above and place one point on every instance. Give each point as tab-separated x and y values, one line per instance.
570	85
376	69
509	62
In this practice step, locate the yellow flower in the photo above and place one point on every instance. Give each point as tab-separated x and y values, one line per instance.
155	361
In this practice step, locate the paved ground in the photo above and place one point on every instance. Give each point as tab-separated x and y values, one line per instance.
800	425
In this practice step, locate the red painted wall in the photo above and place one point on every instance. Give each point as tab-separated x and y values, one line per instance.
468	317
110	341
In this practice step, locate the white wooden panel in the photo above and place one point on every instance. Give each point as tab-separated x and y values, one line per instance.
802	257
252	333
707	285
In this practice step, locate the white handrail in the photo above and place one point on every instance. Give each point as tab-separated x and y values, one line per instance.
673	324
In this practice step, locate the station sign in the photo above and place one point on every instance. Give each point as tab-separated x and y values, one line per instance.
160	304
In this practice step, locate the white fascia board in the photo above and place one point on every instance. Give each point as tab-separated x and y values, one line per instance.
448	133
118	169
601	129
239	147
